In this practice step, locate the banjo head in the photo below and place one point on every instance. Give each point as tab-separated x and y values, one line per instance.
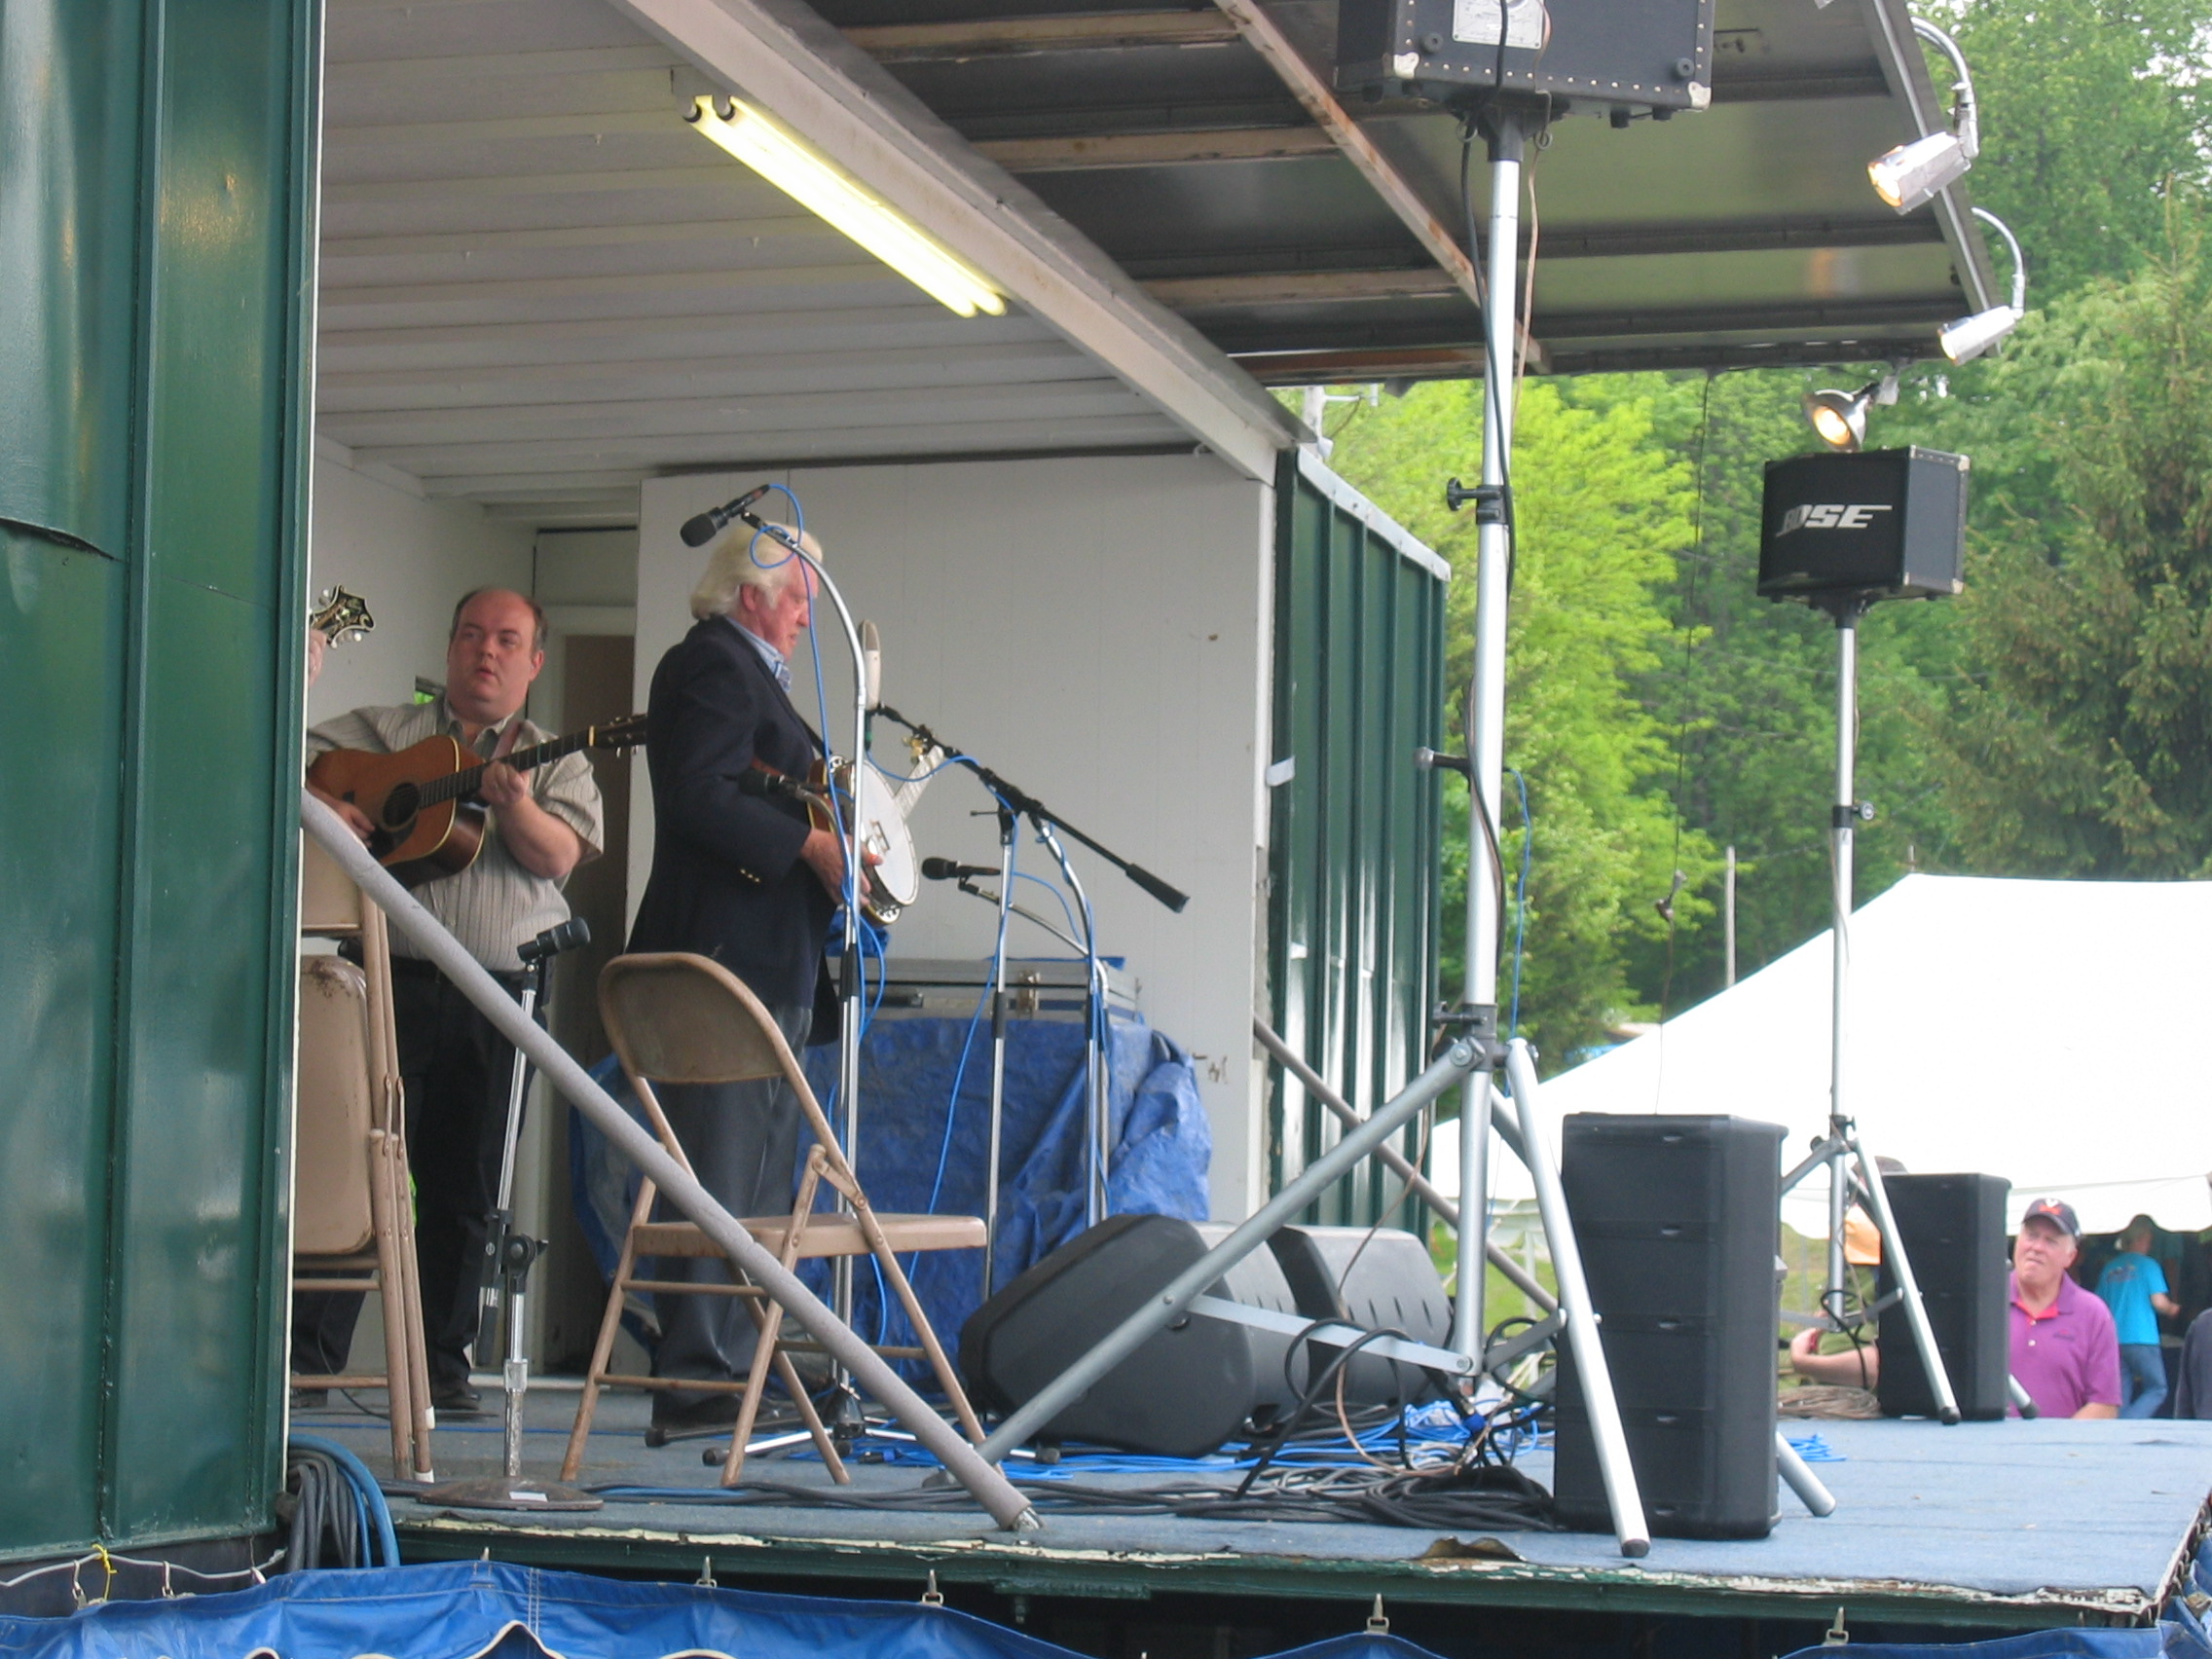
898	878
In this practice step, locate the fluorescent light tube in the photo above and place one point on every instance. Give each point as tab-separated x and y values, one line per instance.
827	193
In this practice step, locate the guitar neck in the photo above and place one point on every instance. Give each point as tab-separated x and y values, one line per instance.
465	781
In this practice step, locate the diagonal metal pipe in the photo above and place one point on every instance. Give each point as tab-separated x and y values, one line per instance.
1186	1287
991	1489
1416	1183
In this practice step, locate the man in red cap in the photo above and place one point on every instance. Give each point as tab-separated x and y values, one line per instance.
2064	1350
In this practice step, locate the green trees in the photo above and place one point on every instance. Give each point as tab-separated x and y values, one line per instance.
1604	513
2080	744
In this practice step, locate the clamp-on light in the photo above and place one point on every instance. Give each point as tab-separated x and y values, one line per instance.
1839	418
828	194
1970	336
1912	173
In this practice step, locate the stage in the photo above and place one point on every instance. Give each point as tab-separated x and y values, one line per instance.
1992	1527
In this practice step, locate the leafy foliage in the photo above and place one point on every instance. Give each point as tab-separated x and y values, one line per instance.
1602	512
2082	736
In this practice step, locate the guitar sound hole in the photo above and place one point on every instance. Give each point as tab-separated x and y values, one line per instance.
400	805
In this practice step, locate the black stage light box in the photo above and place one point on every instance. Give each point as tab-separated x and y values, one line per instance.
1612	54
1882	523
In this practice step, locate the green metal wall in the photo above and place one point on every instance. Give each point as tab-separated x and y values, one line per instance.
1352	852
155	291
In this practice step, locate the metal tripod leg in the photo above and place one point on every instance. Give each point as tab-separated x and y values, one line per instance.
1800	1479
1908	1287
1591	1369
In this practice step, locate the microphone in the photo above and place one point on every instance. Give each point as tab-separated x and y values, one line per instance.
871	664
698	532
945	870
1430	760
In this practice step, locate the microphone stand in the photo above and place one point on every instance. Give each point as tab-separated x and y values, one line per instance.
1049	826
998	1054
848	1420
1003	899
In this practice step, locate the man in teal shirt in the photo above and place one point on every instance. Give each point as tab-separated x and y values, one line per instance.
2134	1287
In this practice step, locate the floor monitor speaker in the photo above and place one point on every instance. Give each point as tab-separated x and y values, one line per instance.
1377	1279
1677	1218
1952	1228
1183	1392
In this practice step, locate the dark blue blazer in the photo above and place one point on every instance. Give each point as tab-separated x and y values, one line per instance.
728	881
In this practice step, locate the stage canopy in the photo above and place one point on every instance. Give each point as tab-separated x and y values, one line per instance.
2052	1032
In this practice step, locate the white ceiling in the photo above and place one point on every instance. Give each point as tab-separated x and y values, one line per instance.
539	286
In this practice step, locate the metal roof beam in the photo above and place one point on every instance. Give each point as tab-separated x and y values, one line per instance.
1156	149
1093	31
782	56
1313	92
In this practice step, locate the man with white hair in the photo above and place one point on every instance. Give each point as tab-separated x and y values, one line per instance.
747	880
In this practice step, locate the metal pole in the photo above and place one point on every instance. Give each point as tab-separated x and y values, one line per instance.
1591	1369
1098	1130
1170	1305
991	1489
1416	1183
1842	815
1486	706
998	1057
1843	1133
1800	1479
1728	917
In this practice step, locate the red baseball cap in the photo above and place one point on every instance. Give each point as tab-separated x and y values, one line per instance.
2059	1213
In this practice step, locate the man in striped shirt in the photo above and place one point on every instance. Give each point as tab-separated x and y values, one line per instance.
456	1066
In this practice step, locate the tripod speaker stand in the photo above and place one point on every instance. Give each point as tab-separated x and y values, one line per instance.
1840	533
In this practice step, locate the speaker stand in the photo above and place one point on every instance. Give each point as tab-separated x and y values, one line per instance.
1852	1173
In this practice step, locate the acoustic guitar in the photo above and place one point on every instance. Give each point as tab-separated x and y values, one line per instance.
421	799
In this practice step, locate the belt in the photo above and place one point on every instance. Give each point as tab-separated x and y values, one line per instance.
420	968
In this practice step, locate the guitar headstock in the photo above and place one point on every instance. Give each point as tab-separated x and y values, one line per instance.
341	616
628	732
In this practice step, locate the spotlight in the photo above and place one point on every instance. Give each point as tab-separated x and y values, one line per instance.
824	191
1912	173
1839	418
1970	337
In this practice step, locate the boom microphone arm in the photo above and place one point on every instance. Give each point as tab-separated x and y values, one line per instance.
1021	802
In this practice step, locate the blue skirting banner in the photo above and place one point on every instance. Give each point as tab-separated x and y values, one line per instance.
479	1610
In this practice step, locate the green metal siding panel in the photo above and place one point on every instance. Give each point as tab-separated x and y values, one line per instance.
1359	617
59	610
68	224
154	1105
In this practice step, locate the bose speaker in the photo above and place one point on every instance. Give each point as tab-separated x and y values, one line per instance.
1678	1223
1184	1391
1952	1228
1882	523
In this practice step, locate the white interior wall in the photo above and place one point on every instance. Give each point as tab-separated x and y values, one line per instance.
1096	630
409	559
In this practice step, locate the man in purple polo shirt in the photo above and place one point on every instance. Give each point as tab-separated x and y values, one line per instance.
2064	1351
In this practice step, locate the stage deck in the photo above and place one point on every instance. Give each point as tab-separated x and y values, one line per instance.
2016	1524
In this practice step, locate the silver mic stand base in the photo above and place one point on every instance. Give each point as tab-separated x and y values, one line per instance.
498	1491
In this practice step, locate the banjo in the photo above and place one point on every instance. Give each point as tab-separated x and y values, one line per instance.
880	804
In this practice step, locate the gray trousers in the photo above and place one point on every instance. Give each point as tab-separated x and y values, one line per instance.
743	1141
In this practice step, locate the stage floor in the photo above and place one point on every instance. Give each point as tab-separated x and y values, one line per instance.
2015	1524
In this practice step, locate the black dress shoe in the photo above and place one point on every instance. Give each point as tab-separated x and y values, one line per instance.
455	1395
310	1399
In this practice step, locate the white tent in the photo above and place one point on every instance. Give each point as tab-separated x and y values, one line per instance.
2052	1032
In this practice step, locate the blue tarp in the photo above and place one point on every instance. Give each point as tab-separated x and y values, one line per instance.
2179	1634
1161	1142
464	1609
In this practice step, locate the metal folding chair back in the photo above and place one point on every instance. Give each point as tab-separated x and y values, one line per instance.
677	1019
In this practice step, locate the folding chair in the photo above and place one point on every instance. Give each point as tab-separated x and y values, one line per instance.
352	1216
680	1018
